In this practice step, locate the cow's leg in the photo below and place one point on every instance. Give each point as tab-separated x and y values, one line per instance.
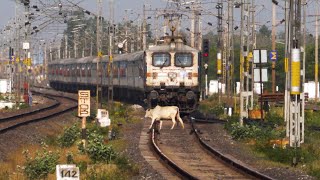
152	121
173	122
160	125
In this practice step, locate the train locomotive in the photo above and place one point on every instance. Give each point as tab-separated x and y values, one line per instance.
165	74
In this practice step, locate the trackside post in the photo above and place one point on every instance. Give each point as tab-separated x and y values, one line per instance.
84	112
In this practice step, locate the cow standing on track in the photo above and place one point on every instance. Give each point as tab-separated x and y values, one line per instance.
165	112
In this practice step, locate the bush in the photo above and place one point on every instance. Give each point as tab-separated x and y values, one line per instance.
244	132
312	118
41	165
23	106
97	150
274	120
231	120
69	136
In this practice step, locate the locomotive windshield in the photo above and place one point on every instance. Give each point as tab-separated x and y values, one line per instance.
183	59
161	59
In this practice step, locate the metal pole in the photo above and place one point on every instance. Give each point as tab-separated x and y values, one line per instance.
84	131
144	28
45	62
99	53
273	45
261	90
303	65
316	57
253	46
192	35
110	87
241	64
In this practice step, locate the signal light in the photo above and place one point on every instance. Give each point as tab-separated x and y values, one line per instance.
205	48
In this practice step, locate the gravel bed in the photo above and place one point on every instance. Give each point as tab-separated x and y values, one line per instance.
131	134
216	136
33	133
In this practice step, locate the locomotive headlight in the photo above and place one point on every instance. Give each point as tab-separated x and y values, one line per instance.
190	95
154	94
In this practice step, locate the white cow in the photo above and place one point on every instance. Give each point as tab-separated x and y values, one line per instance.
164	112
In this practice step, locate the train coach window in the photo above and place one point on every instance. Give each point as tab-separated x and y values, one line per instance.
183	59
161	59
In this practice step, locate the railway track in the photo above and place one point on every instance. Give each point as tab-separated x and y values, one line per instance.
189	156
59	106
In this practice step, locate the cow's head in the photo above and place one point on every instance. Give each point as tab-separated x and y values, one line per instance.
148	113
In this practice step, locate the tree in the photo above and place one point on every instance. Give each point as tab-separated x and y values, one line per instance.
265	31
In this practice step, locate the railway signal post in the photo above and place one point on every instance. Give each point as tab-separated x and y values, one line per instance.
206	50
294	98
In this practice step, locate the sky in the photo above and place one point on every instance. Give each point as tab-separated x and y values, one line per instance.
7	7
264	10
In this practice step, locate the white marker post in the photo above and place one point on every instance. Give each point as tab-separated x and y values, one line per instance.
67	172
84	111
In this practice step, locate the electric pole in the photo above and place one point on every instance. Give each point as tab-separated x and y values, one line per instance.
144	37
273	34
219	6
26	47
111	34
245	63
316	57
304	3
99	52
230	53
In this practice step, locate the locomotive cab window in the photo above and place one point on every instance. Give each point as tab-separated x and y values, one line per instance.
161	59
183	59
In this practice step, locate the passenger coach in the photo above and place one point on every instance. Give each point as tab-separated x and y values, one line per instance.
166	74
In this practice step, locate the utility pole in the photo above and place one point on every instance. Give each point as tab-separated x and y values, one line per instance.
304	3
273	32
17	55
316	57
126	31
192	34
253	43
111	34
230	53
26	47
99	52
245	63
144	37
219	7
